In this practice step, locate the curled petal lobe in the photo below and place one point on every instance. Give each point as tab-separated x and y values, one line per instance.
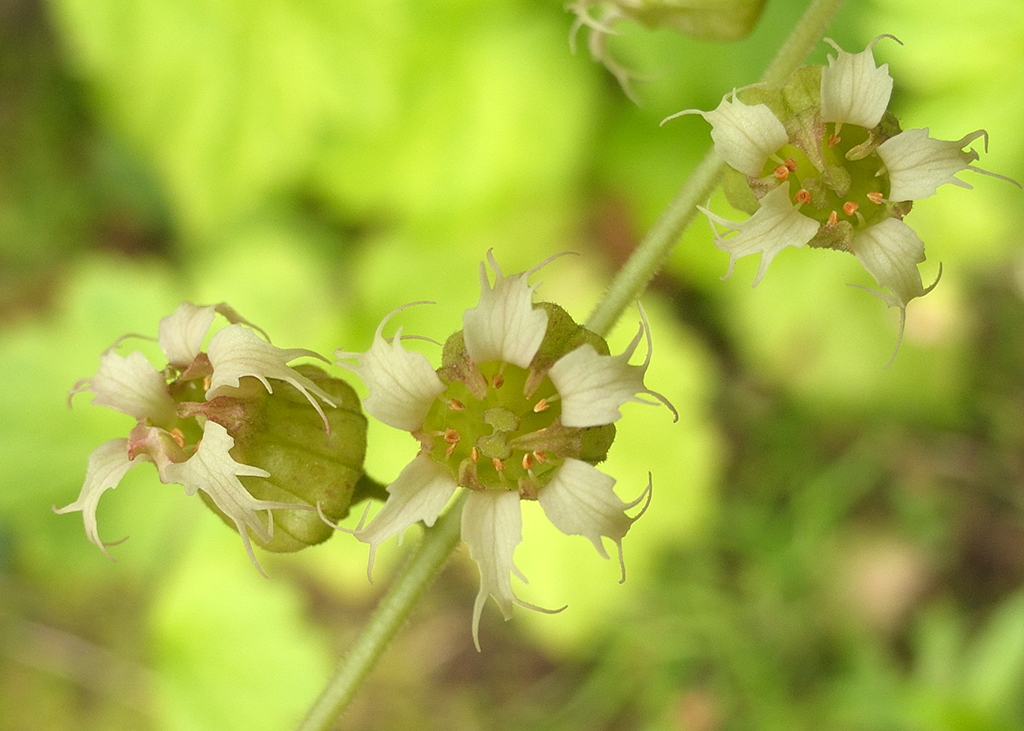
745	135
774	226
580	500
108	464
181	333
853	89
402	383
236	352
504	326
420	492
492	525
213	470
891	251
130	384
918	164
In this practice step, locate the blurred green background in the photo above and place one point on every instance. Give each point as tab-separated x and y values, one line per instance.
832	545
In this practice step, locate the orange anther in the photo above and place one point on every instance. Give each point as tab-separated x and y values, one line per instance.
498	464
802	196
541	405
527	461
178	437
781	172
849	208
833	218
540	456
497	380
474	454
456	405
834	139
790	164
451	436
876	197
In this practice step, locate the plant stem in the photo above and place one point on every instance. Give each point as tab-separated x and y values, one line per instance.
431	555
633	278
439	541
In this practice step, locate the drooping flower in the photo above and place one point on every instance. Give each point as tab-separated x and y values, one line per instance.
721	20
522	408
822	163
206	420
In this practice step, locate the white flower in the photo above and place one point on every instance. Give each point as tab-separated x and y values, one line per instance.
195	453
853	89
500	419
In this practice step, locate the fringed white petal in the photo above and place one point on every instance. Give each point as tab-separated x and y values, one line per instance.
891	251
774	226
580	500
419	493
181	333
504	326
918	164
108	464
213	470
592	386
853	89
745	135
236	352
492	525
132	386
402	383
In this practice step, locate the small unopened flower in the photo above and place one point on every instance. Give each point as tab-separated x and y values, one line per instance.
823	163
522	408
209	419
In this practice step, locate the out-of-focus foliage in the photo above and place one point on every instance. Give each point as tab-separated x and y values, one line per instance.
831	544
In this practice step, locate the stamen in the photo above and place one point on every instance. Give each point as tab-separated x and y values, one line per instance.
178	437
833	219
802	196
540	456
474	454
497	380
456	405
206	383
541	405
876	197
498	464
790	164
849	208
451	436
781	173
527	461
834	139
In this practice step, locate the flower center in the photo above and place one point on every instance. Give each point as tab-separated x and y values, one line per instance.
852	187
506	440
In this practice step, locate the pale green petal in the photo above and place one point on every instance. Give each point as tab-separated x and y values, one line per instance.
853	89
236	352
745	135
774	226
402	383
918	164
891	251
504	326
492	525
108	464
213	470
419	493
132	386
181	333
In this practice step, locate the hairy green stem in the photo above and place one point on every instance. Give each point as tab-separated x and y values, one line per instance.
430	557
440	540
650	255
